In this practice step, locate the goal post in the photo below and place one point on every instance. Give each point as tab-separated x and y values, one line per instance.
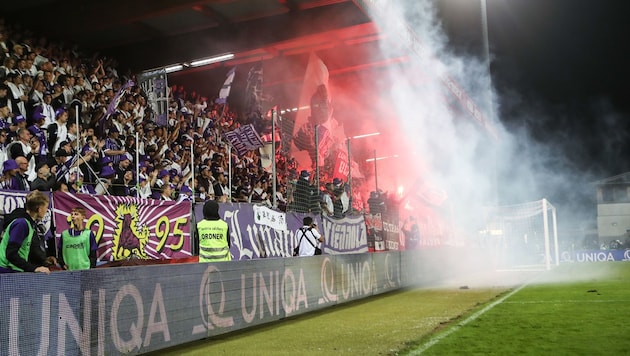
522	235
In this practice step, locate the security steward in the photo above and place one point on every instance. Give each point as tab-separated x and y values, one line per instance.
214	242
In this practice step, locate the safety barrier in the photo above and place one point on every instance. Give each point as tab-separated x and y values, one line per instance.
132	310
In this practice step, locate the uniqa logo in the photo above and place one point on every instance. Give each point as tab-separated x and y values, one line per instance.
595	257
209	316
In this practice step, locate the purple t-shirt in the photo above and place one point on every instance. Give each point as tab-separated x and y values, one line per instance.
18	231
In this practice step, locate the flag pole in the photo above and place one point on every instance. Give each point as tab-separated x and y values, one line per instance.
349	177
274	201
192	170
375	173
317	156
137	167
230	172
76	111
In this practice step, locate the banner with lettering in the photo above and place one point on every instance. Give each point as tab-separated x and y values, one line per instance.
131	311
128	227
391	232
155	85
347	235
13	199
250	240
342	169
243	139
595	256
266	216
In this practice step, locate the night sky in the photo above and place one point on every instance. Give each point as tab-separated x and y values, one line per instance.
561	70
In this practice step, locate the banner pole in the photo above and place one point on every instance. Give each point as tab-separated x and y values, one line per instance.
317	156
274	201
137	167
230	173
349	178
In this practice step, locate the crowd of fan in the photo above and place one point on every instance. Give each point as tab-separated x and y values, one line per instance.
63	127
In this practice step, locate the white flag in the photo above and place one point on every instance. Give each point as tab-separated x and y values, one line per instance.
274	219
225	89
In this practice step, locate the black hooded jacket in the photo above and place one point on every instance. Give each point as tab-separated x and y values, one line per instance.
211	212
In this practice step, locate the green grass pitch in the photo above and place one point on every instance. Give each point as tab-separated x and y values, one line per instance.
575	309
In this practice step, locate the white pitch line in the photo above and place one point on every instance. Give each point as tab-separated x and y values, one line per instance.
458	326
568	301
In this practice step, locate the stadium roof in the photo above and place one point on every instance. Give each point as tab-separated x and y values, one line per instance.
147	34
144	34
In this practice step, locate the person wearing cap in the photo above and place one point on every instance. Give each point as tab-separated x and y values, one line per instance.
113	146
67	147
185	194
74	178
39	133
9	173
305	196
104	186
16	244
45	180
18	122
213	234
163	177
58	131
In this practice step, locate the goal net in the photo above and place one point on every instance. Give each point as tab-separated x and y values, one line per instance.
522	235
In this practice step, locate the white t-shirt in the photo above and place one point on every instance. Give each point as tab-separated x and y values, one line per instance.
312	235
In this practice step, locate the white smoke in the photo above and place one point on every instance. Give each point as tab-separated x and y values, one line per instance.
448	148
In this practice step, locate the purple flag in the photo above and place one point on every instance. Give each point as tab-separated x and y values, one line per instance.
111	108
244	139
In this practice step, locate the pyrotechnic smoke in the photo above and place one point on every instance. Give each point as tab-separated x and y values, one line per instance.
442	146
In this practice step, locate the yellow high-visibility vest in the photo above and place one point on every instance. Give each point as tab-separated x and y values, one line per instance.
213	241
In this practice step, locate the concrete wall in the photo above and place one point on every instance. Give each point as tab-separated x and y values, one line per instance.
612	221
